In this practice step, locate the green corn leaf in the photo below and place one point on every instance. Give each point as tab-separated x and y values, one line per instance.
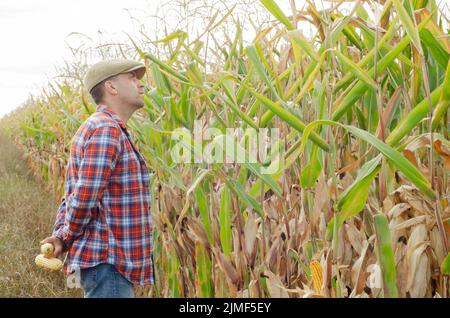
72	118
410	121
368	58
231	101
385	256
294	255
172	36
361	87
202	203
273	8
406	167
225	216
203	270
353	199
298	39
312	169
445	266
409	25
244	159
260	68
173	268
438	52
288	117
310	80
167	68
356	70
239	191
444	99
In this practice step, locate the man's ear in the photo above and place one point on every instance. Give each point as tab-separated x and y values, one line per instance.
110	87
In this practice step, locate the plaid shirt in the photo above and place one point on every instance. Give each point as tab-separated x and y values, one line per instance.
105	213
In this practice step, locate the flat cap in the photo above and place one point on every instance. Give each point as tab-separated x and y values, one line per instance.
108	68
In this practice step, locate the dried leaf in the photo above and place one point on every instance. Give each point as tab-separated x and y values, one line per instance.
198	230
401	268
250	231
417	262
227	267
437	244
275	286
321	199
419	272
444	151
398	209
359	273
355	237
409	223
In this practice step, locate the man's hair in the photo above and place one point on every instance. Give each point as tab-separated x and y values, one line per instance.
98	90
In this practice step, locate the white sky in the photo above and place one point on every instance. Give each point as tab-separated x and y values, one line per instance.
35	38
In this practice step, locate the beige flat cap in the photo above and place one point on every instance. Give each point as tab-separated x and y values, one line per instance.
107	68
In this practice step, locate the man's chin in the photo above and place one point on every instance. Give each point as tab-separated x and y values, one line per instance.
140	104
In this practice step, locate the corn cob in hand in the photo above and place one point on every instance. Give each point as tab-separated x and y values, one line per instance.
46	259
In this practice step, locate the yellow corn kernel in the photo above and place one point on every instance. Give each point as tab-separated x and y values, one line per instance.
316	273
47	250
54	264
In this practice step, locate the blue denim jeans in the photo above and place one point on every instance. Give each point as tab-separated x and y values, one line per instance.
104	281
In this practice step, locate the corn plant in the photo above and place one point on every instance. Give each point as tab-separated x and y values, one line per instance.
361	181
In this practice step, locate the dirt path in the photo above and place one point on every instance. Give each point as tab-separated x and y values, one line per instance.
27	214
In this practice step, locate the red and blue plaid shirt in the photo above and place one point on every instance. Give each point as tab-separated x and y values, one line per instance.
105	214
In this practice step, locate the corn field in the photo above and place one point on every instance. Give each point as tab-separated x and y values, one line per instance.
358	205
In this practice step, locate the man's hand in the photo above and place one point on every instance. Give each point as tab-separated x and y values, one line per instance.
57	244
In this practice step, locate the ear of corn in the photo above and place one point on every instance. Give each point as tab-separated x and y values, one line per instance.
317	276
47	250
46	259
54	264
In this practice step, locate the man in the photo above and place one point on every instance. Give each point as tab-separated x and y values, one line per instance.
104	222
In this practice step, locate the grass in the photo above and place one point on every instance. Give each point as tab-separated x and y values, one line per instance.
27	214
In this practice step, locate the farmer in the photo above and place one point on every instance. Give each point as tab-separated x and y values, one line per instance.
104	222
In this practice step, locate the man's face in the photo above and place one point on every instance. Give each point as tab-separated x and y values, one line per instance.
129	89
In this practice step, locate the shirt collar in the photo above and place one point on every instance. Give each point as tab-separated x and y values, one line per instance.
105	109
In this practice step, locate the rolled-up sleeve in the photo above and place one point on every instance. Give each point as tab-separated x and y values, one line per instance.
100	154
